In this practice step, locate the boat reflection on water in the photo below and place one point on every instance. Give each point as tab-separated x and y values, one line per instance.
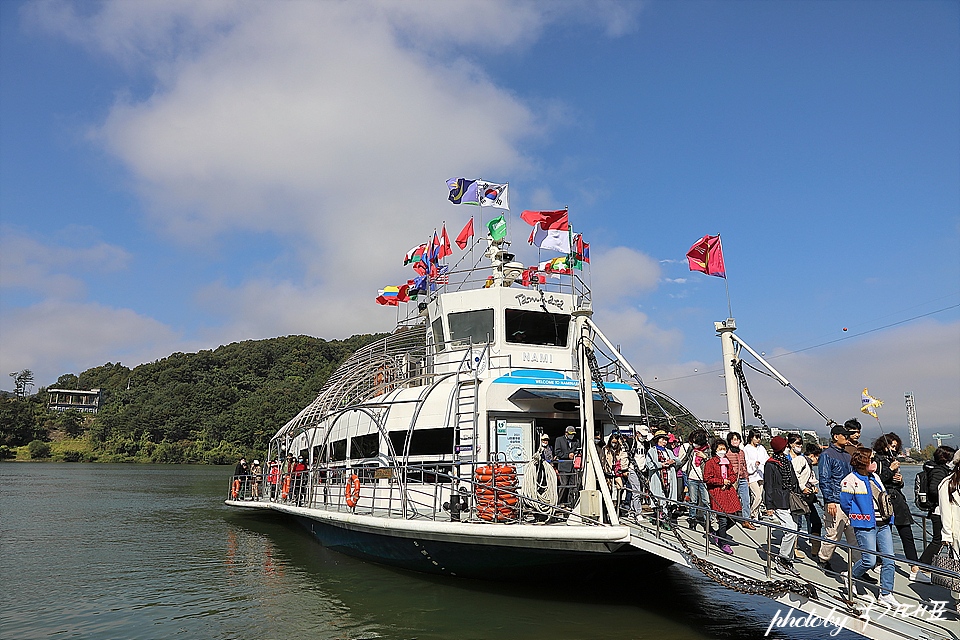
328	590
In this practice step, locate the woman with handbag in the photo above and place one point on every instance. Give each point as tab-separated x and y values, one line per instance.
949	556
721	477
866	503
886	449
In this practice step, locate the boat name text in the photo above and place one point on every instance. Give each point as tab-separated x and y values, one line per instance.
523	298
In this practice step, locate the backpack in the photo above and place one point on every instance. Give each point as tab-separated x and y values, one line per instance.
924	499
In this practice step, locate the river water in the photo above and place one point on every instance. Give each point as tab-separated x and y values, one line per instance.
105	551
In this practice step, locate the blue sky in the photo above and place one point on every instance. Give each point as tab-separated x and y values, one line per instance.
178	175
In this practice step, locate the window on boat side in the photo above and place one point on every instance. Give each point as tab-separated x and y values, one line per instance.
365	446
536	327
438	338
338	450
425	442
467	325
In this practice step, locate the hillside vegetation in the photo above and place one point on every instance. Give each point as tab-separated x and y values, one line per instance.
207	407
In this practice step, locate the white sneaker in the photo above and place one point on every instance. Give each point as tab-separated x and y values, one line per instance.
889	600
920	576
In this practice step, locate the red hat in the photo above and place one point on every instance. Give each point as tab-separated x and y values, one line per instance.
778	443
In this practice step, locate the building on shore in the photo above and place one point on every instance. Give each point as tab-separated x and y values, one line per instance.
84	401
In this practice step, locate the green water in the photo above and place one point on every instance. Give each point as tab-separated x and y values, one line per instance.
150	551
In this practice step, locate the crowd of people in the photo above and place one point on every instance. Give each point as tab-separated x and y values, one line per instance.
284	479
859	488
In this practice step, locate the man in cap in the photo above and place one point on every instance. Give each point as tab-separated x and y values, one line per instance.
567	448
834	466
242	471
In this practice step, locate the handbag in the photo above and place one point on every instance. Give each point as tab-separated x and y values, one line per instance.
798	504
946	559
884	505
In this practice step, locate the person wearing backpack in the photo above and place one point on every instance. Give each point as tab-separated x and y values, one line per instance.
935	471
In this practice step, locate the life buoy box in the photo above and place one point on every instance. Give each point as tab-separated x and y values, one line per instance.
352	491
235	490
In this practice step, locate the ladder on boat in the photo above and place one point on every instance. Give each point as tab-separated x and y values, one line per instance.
465	422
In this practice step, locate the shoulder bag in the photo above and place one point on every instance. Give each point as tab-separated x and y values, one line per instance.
798	504
884	504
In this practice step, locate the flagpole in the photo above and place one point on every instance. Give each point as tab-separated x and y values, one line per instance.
726	283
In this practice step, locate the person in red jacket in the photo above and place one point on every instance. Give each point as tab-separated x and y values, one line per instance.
299	479
721	478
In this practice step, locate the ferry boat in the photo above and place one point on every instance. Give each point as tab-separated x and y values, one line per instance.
421	451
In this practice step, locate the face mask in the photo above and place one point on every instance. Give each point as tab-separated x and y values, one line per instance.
570	436
796	448
721	454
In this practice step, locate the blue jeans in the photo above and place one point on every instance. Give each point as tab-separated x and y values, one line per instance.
875	539
743	490
698	497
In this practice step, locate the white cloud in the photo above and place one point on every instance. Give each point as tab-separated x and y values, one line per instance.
676	280
621	272
54	337
50	269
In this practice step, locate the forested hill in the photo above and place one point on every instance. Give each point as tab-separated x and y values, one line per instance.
203	407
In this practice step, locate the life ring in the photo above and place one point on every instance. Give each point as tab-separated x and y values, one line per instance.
235	490
352	491
285	491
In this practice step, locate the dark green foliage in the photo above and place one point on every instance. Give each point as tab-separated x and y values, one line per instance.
70	422
38	449
212	406
22	420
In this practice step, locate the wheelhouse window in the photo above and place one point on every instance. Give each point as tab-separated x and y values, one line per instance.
467	325
438	338
537	327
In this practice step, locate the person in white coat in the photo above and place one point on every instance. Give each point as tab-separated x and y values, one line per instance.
949	494
755	457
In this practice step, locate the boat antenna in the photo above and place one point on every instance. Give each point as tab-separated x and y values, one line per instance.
726	282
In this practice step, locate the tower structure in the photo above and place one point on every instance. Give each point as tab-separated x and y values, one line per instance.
912	421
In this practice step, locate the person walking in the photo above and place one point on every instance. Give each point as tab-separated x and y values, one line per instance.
834	466
803	466
738	460
886	449
862	499
755	457
779	481
721	480
936	469
663	480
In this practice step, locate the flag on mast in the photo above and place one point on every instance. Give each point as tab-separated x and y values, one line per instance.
444	249
463	191
707	256
465	235
551	229
497	228
493	195
868	404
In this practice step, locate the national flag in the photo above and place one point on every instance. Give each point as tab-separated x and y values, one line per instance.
555	239
546	219
868	402
463	191
581	248
423	284
389	296
444	249
414	255
493	195
465	235
707	256
412	289
557	266
402	293
435	248
441	276
497	228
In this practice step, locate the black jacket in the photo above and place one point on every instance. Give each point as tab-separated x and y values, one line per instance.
775	494
935	475
562	448
901	509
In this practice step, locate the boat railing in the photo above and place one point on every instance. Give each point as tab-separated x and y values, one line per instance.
657	522
430	490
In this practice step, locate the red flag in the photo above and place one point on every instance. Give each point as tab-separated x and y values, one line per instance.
466	234
707	256
547	219
444	243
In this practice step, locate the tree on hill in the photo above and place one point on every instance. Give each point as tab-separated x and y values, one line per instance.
187	405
